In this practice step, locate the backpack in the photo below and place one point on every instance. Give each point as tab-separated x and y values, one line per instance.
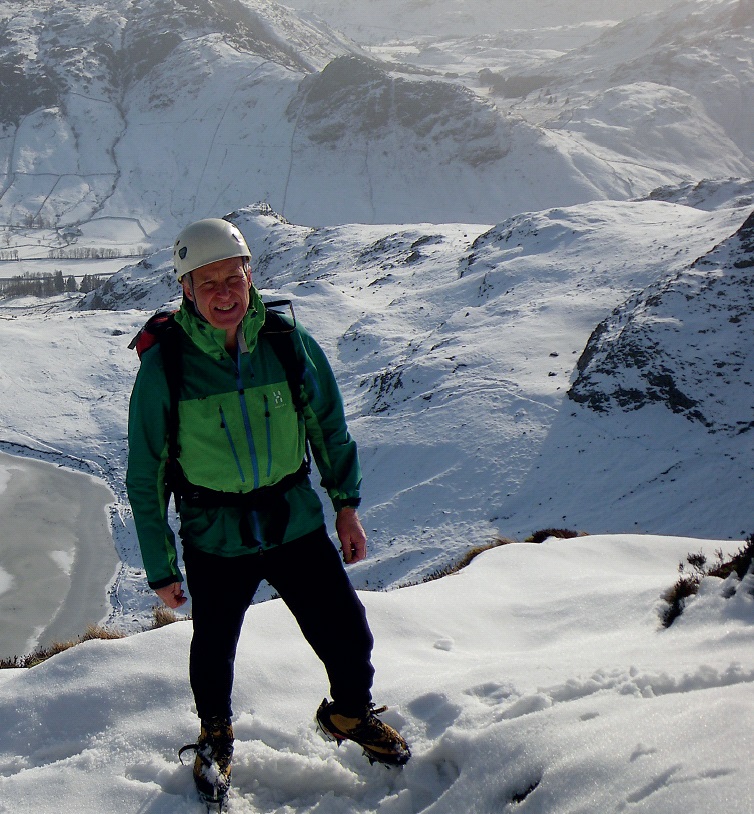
162	328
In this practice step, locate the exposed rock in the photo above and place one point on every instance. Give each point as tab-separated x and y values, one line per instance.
684	342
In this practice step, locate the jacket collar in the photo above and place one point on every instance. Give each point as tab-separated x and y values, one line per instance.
212	340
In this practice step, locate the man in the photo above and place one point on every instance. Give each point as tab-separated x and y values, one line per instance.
247	509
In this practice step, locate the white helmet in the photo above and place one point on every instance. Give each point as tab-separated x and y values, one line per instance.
207	241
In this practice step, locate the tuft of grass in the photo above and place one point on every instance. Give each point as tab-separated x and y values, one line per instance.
472	553
562	534
469	556
161	616
739	563
689	581
459	565
41	654
676	597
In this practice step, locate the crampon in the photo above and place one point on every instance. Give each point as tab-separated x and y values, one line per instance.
380	742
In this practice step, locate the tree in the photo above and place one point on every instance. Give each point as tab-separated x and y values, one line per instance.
89	282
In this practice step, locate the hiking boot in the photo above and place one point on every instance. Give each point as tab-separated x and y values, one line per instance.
379	741
214	751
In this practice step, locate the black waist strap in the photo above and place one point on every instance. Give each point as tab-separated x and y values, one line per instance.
265	497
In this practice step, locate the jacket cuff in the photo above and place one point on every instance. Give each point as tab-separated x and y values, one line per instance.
163	583
347	502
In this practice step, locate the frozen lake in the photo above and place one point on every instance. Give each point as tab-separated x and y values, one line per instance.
56	554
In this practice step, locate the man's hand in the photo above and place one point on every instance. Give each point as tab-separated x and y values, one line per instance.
172	595
353	539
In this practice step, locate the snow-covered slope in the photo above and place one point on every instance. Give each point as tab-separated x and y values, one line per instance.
536	680
102	97
374	21
456	346
669	375
683	342
665	85
462	331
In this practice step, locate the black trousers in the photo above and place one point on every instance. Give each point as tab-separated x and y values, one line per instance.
310	578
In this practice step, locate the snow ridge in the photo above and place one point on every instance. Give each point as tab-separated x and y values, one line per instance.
682	342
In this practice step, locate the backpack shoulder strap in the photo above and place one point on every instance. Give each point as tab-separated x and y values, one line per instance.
162	329
172	362
279	333
151	332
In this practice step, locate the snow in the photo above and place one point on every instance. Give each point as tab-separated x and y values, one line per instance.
290	113
6	581
539	678
455	346
394	19
539	667
536	665
5	476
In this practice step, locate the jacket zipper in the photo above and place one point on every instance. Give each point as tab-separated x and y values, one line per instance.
246	420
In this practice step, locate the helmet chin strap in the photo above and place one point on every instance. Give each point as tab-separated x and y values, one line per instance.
192	299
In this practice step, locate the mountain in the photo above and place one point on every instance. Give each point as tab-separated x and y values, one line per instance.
674	85
683	342
373	21
456	326
661	403
565	347
99	99
473	336
122	122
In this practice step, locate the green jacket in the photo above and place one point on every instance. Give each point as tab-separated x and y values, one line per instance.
238	431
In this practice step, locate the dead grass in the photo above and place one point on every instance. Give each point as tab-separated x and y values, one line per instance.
459	565
161	616
43	653
472	553
689	580
561	534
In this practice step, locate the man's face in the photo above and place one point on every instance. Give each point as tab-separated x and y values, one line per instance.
220	292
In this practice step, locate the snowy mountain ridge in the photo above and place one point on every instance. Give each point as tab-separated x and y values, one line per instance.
695	56
473	336
537	679
402	19
683	335
122	122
